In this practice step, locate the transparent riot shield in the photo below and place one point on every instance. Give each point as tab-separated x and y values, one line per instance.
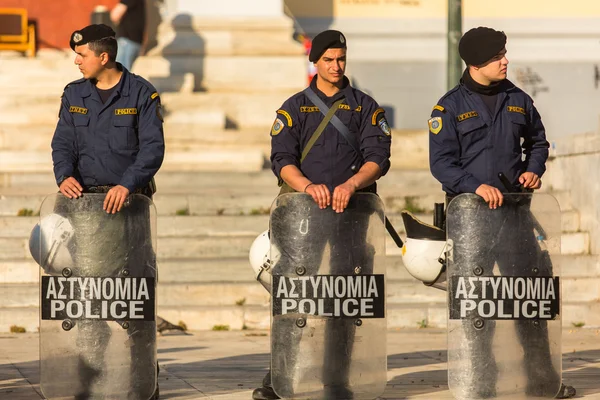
328	326
504	325
97	305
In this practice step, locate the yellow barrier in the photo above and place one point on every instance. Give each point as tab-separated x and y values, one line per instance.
15	33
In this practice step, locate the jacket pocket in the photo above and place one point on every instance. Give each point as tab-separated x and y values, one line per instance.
124	132
473	134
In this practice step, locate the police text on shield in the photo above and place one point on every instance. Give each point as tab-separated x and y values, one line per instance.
345	296
504	297
108	298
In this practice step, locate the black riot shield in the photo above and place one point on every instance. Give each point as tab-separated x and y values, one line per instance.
504	327
97	306
328	327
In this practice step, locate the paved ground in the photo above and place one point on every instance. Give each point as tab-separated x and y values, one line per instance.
228	365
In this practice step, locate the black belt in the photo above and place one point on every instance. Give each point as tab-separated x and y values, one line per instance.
146	191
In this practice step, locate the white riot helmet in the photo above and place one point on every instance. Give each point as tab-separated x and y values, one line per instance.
48	242
262	259
423	252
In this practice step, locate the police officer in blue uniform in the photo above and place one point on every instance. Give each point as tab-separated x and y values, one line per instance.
110	131
480	128
109	139
330	166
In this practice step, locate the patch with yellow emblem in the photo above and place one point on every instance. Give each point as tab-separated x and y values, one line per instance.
435	125
385	127
277	127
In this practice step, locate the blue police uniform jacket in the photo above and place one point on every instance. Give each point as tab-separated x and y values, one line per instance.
331	160
120	142
469	146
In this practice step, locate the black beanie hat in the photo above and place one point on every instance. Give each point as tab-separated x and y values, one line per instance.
326	40
89	34
481	44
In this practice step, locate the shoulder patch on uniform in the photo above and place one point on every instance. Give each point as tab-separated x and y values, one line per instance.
385	127
154	95
375	114
435	125
516	109
78	110
277	127
467	115
439	108
287	116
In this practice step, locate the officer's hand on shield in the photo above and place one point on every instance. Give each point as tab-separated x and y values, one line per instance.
320	194
115	198
70	188
341	196
491	195
530	180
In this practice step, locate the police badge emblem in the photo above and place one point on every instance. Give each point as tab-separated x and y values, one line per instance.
342	39
435	125
385	128
277	127
77	37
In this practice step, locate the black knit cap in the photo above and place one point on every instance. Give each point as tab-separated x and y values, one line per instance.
481	44
90	33
326	40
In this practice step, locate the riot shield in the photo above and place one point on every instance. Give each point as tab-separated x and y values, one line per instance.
504	325
97	305
328	326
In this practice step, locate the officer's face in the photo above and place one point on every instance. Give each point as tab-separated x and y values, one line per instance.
496	69
88	62
332	65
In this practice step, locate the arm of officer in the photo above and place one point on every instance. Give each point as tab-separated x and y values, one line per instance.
444	153
150	155
535	148
64	156
286	154
375	143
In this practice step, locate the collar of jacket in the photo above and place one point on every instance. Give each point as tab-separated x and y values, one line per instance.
347	92
123	86
506	86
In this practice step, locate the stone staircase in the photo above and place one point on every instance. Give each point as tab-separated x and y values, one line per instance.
206	280
215	187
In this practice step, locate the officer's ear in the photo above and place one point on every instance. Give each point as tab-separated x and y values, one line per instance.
104	58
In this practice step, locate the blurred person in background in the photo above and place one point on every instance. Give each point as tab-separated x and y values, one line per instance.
129	16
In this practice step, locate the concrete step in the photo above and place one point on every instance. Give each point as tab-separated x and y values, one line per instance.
178	137
243	110
205	317
572	268
219	202
232	36
46	74
181	270
575	243
202	235
227	293
235	159
47	114
244	74
411	315
168	226
396	182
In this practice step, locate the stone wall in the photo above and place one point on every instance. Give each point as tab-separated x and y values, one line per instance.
575	167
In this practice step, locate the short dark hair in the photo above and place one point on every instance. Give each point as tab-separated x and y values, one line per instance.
105	45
